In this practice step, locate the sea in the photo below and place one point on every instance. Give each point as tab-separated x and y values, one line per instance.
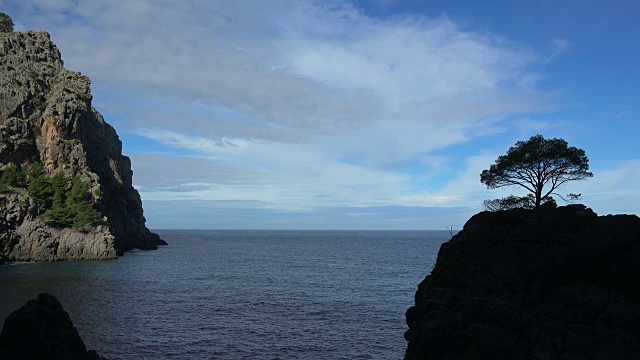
236	294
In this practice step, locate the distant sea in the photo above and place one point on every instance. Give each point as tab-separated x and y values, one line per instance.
241	294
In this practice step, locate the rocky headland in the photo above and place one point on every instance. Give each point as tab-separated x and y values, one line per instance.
41	329
553	283
65	188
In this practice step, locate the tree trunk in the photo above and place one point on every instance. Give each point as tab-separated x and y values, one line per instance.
538	196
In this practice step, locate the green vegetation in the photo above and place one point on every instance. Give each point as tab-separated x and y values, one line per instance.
59	188
12	176
71	207
514	202
536	163
32	74
67	203
6	23
73	214
39	104
40	186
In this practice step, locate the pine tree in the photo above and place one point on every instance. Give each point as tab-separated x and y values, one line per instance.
6	23
72	209
79	190
12	176
59	185
39	185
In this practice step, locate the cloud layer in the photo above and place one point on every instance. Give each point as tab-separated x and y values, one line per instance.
298	105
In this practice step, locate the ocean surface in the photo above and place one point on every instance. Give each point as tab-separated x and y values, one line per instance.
241	294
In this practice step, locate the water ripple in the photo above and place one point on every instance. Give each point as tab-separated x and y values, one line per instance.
241	294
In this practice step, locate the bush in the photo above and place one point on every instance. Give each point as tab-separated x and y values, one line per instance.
59	186
39	104
32	74
84	214
6	23
40	187
68	204
79	191
75	209
12	176
514	202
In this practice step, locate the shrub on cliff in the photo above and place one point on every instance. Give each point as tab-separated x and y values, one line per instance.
59	185
68	204
79	202
6	24
72	209
79	191
514	202
12	176
39	185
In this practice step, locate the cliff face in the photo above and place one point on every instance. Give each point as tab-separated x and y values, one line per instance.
559	283
46	117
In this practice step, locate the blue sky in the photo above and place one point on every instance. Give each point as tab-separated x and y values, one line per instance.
295	114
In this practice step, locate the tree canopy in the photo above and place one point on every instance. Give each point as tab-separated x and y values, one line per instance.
6	24
536	163
11	176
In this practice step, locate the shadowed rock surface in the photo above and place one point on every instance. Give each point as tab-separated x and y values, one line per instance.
557	283
46	116
42	330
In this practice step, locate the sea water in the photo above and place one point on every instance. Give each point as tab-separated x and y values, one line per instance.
241	294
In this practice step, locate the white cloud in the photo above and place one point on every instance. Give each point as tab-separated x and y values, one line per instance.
309	66
291	176
613	189
300	104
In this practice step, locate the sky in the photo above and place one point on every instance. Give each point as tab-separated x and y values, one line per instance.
369	114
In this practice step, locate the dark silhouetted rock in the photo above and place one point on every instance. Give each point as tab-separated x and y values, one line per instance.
557	283
42	330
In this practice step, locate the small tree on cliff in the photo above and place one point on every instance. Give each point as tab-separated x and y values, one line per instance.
536	163
6	24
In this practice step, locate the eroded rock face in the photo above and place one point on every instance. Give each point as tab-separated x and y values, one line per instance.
560	283
46	116
42	330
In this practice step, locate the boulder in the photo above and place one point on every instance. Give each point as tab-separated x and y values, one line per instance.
41	329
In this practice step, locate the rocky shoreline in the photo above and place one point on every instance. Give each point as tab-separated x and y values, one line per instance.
553	283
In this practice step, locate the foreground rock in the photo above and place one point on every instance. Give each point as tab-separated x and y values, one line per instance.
559	283
42	330
46	117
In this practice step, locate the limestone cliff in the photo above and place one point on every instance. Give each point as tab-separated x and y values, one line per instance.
556	283
46	117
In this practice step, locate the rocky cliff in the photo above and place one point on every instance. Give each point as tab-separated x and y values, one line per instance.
47	122
557	283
